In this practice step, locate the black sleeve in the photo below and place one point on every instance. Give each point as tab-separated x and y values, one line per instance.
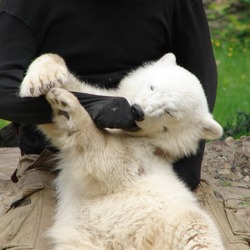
18	47
193	49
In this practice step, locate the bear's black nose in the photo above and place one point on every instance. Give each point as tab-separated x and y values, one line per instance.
137	112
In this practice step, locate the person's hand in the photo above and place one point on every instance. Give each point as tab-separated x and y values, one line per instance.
111	112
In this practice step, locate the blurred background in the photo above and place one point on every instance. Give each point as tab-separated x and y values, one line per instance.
229	22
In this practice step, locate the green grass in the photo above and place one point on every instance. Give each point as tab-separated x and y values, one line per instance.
226	183
3	123
233	62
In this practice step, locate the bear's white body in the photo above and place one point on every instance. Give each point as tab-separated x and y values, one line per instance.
117	190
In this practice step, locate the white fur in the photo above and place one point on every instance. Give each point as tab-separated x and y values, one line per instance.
117	190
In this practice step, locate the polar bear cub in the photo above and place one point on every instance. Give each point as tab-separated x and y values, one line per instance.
116	189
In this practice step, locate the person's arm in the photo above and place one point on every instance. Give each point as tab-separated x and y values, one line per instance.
18	47
193	49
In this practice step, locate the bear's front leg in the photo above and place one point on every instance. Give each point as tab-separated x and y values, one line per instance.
46	72
69	118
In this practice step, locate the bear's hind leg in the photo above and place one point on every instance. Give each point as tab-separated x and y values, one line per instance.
195	230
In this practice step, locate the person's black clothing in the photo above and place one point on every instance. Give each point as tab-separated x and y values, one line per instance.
101	41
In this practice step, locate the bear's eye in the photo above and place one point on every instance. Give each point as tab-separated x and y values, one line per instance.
152	87
168	112
171	112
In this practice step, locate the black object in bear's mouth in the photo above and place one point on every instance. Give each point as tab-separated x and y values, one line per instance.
137	112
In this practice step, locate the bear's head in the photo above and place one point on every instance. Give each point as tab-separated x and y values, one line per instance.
174	105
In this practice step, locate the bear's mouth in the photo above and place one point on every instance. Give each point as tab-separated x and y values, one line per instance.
133	128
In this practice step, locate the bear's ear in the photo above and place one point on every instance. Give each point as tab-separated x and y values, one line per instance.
211	129
169	59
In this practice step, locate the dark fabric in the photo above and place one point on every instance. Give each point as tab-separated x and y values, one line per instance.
9	136
101	41
189	168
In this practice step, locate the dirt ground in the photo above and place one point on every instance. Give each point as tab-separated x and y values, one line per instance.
226	166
